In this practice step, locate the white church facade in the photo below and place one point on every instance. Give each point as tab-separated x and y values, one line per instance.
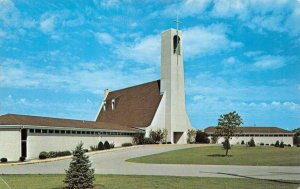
124	112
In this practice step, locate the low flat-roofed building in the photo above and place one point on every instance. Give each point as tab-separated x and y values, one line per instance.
265	135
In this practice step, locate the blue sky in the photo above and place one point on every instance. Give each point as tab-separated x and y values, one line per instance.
57	57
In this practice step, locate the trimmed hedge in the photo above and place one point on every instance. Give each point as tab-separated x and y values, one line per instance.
3	160
126	144
52	154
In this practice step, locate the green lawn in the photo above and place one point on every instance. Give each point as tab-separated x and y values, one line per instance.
132	182
239	155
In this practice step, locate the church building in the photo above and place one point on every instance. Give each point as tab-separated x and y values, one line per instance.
150	106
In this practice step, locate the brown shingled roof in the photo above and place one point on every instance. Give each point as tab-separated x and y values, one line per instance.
253	129
134	106
26	120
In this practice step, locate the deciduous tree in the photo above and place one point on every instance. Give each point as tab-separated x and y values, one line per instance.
227	126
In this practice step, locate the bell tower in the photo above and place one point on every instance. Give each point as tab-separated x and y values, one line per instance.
172	86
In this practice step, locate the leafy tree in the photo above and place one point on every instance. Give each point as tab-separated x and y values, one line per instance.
201	137
139	138
227	126
157	136
191	134
80	174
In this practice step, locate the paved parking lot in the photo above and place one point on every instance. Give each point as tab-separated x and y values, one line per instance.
113	162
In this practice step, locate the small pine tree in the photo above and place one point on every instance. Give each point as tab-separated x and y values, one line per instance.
242	143
281	145
80	174
277	143
251	143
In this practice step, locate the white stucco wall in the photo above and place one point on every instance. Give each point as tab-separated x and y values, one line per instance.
258	140
37	143
10	140
159	118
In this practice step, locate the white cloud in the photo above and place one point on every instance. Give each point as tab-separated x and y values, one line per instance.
186	8
199	41
91	77
107	3
47	23
273	15
269	62
230	61
104	38
2	33
252	53
145	50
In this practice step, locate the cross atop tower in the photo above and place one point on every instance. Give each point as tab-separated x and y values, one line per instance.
177	22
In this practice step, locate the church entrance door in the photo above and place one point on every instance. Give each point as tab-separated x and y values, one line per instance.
177	137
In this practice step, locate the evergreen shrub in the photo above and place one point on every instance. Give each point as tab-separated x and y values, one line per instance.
106	145
251	143
79	175
281	145
3	160
100	146
43	155
277	143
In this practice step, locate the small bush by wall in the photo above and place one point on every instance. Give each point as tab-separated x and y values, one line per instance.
148	141
43	155
281	145
111	145
262	144
126	144
22	158
3	160
277	143
106	145
243	142
100	146
251	143
94	148
52	154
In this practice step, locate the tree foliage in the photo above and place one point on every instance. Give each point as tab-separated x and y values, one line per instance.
191	135
201	137
160	135
139	138
227	126
79	175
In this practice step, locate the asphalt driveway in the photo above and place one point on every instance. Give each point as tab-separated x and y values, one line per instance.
114	162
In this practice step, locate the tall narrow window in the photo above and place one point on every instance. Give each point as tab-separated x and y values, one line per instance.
104	106
176	45
113	104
